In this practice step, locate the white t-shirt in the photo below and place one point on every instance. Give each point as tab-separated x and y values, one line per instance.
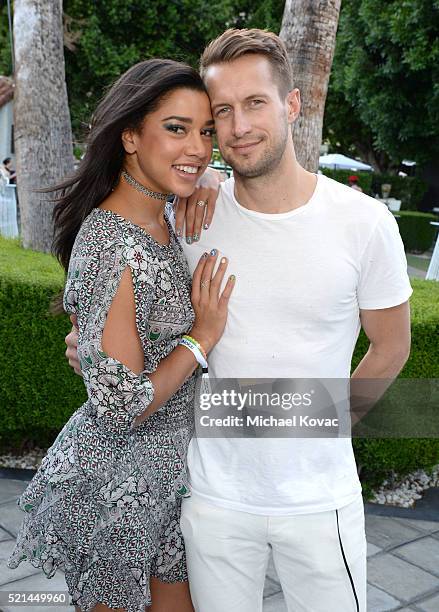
301	278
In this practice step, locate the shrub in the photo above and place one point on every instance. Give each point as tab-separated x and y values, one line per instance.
416	232
379	458
364	178
409	189
39	391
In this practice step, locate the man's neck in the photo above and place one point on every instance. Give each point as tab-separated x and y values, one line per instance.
288	187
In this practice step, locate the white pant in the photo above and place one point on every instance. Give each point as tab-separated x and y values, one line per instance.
320	558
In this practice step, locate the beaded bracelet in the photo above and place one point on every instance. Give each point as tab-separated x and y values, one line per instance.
196	350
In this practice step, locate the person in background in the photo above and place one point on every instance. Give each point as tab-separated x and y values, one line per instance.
353	182
7	171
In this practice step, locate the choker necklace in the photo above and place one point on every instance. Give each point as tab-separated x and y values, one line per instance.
144	190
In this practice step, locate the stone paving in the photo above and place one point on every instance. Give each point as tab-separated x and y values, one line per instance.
403	563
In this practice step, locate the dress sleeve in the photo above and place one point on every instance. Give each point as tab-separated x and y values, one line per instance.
116	394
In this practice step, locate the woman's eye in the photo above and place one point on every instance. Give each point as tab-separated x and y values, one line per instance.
210	132
176	129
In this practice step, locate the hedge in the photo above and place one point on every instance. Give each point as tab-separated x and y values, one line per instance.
409	189
416	232
342	176
39	391
378	459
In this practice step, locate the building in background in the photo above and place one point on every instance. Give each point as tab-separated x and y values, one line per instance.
6	118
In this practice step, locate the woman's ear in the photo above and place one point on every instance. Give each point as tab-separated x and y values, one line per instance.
129	141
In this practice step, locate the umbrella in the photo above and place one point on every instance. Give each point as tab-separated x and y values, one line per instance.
341	162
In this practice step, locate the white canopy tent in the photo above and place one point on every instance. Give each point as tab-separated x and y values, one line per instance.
336	161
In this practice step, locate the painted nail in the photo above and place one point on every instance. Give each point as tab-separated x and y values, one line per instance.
196	237
223	260
189	239
204	255
213	252
206	226
178	232
232	278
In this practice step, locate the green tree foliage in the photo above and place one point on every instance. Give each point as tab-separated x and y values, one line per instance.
114	34
384	88
103	39
5	49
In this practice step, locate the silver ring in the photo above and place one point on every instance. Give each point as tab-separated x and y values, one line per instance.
201	203
205	283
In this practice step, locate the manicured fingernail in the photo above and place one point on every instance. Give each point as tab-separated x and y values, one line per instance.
232	278
206	226
196	237
178	232
223	260
204	255
189	239
213	252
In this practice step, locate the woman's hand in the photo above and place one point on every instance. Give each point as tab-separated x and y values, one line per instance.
210	306
196	212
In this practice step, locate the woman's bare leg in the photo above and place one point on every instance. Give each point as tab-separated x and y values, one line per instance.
166	597
170	597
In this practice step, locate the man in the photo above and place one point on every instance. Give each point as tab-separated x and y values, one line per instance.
312	259
353	182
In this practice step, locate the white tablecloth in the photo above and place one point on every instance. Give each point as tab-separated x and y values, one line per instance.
433	268
8	210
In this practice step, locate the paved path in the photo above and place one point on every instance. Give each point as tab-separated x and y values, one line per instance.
403	563
415	272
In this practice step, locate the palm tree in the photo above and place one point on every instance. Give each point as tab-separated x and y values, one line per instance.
43	136
308	29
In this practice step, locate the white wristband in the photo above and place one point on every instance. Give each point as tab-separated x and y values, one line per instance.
195	350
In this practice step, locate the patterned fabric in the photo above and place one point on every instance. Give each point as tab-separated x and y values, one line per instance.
105	502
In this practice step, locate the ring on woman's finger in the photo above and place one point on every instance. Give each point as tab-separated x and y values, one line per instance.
201	203
205	283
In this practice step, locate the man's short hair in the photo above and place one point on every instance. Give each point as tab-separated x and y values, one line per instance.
6	161
234	43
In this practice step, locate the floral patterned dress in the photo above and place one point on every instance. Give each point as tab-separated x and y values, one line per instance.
105	502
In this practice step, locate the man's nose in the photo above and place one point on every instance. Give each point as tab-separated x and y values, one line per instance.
241	125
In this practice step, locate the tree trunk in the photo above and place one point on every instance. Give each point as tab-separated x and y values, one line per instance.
308	30
43	136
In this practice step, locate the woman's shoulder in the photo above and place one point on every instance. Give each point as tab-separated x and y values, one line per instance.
105	230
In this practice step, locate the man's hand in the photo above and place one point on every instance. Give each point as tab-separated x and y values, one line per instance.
196	212
72	346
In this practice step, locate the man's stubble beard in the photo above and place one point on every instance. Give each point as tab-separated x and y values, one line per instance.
265	165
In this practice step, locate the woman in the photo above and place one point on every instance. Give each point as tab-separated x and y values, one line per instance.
105	502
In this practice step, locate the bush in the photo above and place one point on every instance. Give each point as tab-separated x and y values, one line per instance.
416	232
39	391
409	189
364	178
379	458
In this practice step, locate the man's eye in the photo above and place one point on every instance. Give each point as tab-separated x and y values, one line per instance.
257	102
222	111
176	129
